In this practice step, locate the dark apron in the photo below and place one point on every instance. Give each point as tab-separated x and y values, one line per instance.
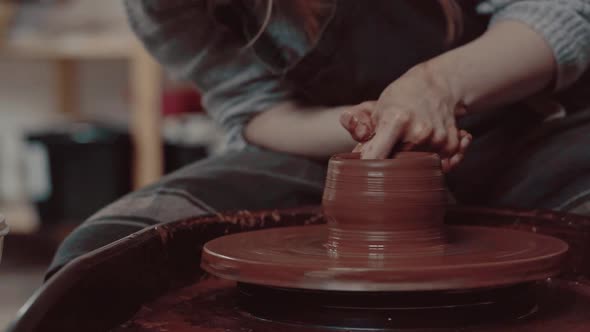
369	44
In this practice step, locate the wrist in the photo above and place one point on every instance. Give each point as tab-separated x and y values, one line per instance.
291	128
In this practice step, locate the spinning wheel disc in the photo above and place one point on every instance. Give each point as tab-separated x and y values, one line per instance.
297	257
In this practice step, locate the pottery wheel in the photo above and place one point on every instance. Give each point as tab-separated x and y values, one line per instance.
385	232
296	257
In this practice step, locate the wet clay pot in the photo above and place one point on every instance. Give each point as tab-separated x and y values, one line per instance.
385	206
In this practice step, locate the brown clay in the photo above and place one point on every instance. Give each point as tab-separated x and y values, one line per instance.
385	206
385	232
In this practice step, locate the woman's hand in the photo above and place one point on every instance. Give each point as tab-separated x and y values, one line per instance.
358	120
416	112
508	63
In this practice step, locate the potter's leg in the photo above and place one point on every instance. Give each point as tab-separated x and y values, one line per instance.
544	166
251	179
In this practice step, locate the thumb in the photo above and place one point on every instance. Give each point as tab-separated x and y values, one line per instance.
358	121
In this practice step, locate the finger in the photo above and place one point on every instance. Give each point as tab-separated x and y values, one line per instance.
388	132
465	141
358	148
452	145
452	140
358	122
348	121
451	163
439	138
455	161
365	128
363	112
419	133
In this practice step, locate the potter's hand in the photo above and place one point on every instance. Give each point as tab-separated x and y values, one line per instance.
416	111
358	120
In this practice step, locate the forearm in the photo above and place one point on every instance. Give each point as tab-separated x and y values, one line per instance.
508	63
312	132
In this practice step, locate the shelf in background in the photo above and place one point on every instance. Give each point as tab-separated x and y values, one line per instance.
145	80
92	47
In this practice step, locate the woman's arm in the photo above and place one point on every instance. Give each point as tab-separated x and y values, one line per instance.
523	53
308	131
508	63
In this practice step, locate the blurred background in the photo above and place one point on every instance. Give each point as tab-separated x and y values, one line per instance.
85	117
